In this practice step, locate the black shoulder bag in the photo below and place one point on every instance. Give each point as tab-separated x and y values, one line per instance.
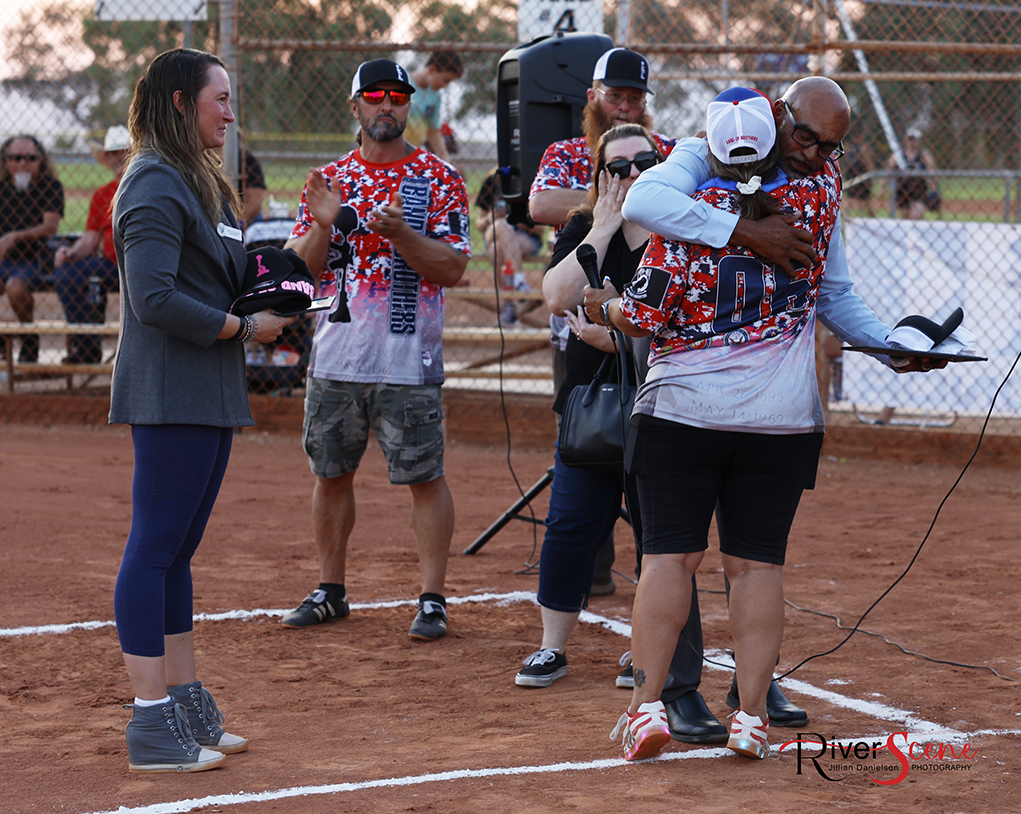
593	427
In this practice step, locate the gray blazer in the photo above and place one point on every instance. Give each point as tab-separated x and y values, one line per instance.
179	274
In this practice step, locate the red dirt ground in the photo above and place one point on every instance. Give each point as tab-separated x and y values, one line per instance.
440	726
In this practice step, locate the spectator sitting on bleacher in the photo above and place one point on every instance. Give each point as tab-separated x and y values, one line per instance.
31	206
507	244
92	255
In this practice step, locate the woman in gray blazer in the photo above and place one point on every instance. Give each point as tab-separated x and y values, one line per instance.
179	381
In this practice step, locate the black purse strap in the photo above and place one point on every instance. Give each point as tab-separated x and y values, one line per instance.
620	342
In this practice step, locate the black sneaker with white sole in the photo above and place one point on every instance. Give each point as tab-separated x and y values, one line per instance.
430	621
626	677
541	669
318	606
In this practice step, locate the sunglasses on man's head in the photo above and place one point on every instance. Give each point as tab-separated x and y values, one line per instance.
375	97
621	167
19	157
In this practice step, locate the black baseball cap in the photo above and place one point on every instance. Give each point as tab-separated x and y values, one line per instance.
380	70
274	278
622	68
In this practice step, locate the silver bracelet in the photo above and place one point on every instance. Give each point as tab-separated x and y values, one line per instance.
253	328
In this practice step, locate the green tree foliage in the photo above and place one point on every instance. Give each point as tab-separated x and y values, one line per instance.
491	21
57	51
292	90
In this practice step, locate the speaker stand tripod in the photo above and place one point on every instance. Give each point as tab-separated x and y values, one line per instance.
514	513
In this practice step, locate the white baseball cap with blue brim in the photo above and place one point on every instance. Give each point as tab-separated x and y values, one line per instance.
740	117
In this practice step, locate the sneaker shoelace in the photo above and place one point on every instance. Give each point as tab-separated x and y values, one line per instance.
207	706
540	657
181	721
637	722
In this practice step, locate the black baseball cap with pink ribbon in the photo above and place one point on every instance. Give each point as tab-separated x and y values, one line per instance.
275	278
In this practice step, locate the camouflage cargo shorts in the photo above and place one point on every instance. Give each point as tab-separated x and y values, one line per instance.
406	420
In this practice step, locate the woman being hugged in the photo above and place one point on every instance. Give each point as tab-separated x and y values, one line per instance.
729	418
179	381
585	504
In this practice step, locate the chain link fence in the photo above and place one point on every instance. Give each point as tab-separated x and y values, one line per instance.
931	212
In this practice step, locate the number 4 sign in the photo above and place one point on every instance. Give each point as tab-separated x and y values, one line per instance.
540	18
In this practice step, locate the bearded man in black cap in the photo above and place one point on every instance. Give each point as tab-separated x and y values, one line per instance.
385	228
620	83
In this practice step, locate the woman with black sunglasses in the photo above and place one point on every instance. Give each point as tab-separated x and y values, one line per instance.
31	206
585	504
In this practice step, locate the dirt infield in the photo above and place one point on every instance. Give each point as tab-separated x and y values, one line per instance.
355	717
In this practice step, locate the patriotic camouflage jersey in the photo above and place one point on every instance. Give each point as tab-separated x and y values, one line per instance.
394	335
732	337
694	297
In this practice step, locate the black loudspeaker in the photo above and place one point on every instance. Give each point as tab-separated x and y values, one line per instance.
541	90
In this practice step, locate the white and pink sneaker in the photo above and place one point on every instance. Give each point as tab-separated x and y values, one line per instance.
645	733
748	735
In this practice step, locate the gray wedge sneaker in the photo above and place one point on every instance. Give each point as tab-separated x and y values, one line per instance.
204	718
160	740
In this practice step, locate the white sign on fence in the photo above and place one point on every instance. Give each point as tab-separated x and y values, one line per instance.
539	18
903	267
151	10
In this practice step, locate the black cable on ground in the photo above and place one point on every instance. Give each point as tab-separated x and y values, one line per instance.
529	564
900	647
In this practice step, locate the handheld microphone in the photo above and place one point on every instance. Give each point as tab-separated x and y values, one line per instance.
587	257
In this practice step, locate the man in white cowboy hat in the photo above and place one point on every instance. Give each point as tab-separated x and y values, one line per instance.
92	255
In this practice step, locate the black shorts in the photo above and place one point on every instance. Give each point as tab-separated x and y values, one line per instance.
752	481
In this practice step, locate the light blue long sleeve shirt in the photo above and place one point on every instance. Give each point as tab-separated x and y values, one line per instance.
660	201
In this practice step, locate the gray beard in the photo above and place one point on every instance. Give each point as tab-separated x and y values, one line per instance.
384	131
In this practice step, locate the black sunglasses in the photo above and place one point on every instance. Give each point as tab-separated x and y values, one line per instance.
806	138
18	157
621	167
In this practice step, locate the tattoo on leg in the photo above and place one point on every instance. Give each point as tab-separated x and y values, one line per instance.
639	678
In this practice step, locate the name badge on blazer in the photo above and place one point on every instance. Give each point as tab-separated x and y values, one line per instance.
223	230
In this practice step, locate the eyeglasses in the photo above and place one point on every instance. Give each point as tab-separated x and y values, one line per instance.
18	157
621	167
806	138
375	97
616	98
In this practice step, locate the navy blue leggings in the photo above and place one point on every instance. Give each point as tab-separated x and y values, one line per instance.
178	471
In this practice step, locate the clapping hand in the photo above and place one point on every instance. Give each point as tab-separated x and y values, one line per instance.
323	203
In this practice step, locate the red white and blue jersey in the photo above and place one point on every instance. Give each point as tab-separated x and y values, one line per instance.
734	337
567	164
396	327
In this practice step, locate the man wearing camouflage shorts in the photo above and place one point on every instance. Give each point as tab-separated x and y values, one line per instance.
385	229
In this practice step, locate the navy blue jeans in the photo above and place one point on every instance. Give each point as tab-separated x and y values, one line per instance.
71	282
584	506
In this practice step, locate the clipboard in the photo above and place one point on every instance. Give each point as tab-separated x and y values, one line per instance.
901	353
